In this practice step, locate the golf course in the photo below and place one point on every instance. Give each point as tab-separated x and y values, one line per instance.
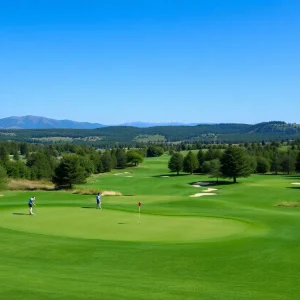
193	238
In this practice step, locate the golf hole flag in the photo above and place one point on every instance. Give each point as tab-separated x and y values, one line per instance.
139	205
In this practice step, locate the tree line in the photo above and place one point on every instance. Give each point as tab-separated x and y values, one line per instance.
204	133
65	164
238	160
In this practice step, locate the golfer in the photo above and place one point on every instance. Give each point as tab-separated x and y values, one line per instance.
98	200
30	204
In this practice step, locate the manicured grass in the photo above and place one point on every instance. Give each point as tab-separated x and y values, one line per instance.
237	244
84	222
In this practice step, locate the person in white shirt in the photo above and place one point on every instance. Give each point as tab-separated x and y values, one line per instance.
98	200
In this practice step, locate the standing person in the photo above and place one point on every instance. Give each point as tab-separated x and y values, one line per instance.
30	204
98	200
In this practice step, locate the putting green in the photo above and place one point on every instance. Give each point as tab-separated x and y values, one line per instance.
122	226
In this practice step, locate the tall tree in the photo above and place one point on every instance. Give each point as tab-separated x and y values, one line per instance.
298	163
87	164
134	157
275	161
215	169
113	158
190	163
176	162
288	161
235	163
201	159
206	167
106	161
69	172
96	159
4	157
263	165
213	154
155	151
41	164
24	149
121	158
3	178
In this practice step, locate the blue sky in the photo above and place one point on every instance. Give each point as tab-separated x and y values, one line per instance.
155	61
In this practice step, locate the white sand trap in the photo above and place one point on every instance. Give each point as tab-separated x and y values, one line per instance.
296	183
209	190
111	193
203	194
118	174
164	176
197	186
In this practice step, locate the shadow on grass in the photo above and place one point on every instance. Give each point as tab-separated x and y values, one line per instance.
293	187
89	207
291	177
205	183
169	175
20	214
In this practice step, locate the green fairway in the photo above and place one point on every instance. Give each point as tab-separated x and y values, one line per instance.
234	245
121	226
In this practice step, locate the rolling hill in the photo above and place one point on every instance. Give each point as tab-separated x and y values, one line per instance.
97	134
34	122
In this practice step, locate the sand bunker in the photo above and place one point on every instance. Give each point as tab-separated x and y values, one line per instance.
296	183
111	193
203	194
164	176
209	190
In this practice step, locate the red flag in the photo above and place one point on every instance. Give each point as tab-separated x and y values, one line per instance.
140	203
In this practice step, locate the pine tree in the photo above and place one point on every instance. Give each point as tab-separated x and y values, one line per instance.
298	163
69	172
190	163
176	162
235	163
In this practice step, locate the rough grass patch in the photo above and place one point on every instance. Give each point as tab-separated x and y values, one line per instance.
95	191
289	204
29	185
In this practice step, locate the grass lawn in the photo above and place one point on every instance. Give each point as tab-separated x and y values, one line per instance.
236	244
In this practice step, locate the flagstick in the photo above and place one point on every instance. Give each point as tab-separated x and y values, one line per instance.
139	215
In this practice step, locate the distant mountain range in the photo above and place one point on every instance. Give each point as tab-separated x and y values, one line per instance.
34	122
